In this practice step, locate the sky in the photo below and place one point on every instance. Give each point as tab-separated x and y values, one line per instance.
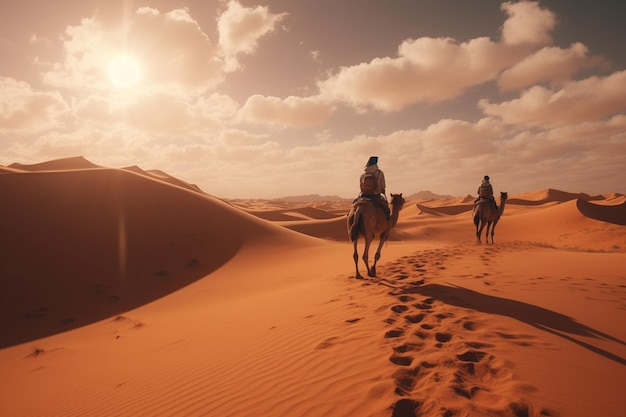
275	98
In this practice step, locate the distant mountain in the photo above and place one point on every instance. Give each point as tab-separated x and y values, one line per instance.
427	195
311	198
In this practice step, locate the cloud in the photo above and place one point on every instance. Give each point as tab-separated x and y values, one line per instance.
176	56
181	58
27	111
590	99
528	23
157	114
601	138
549	64
437	69
239	137
458	139
240	29
293	111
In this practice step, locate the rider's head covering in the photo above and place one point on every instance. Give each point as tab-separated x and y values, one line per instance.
372	161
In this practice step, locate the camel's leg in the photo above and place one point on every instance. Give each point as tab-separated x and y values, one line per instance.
479	232
493	229
383	238
366	251
355	256
487	231
477	223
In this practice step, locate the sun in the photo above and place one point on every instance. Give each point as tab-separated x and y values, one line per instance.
124	71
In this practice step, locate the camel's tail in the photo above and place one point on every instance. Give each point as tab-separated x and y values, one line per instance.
354	218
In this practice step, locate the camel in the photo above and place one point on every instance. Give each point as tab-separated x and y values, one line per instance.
369	221
485	214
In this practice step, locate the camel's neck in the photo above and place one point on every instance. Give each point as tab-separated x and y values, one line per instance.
395	213
501	208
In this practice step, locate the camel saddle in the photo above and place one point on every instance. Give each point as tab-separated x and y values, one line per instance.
486	200
377	201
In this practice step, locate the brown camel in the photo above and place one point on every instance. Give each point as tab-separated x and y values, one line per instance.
367	220
485	214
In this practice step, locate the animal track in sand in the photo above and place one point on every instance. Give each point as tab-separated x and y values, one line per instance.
391	334
437	347
415	318
398	309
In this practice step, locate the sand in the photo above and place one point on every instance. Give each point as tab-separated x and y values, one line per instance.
132	293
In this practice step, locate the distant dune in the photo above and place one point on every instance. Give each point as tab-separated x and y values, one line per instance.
128	292
550	195
63	164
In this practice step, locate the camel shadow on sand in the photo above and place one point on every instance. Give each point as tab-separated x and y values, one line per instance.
539	317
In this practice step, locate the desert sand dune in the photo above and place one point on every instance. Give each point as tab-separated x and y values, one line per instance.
310	213
445	210
605	213
64	164
549	196
129	293
160	175
86	245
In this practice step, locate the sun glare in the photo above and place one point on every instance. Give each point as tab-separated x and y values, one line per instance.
124	71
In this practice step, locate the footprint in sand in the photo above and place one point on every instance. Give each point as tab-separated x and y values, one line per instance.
443	341
434	345
399	309
443	337
391	334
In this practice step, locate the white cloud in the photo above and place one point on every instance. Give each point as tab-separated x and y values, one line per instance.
176	56
528	23
550	64
437	69
239	137
27	111
158	114
427	70
240	29
577	101
291	112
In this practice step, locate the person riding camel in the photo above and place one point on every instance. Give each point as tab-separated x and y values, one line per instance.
485	191
372	184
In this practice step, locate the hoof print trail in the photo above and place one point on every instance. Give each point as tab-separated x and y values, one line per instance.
472	356
398	309
401	360
394	333
406	408
415	318
435	349
443	337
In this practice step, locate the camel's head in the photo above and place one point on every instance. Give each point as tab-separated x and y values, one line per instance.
504	195
397	200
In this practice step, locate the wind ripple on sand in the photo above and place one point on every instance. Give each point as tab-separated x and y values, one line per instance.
314	365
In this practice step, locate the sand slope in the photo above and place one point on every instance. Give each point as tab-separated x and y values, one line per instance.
83	245
131	293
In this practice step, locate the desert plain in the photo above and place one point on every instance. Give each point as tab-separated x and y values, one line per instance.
127	292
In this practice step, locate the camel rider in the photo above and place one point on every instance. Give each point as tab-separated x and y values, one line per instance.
372	183
485	191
